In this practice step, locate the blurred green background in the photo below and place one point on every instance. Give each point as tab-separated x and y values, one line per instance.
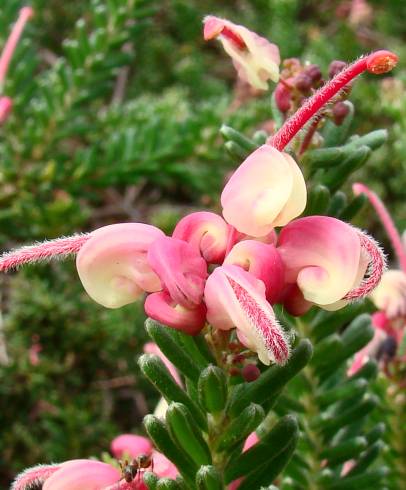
116	117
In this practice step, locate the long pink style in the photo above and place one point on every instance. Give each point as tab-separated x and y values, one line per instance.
25	14
377	63
61	247
386	220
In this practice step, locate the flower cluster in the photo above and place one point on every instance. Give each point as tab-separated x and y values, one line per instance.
389	297
230	270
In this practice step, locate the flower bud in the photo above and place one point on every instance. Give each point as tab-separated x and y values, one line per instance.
335	67
283	97
314	72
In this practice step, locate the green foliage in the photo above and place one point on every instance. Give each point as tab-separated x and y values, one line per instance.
205	442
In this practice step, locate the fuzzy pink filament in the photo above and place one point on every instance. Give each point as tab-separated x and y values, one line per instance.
25	14
60	247
377	266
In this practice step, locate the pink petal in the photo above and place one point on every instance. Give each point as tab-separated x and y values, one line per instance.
181	269
207	233
322	255
262	261
112	264
234	298
130	445
267	190
163	467
162	308
81	475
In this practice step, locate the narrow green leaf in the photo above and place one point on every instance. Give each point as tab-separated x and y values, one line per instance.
375	433
240	427
337	204
331	346
343	391
212	389
179	358
332	422
159	434
367	458
345	451
318	200
353	207
266	449
359	481
236	151
231	134
155	370
266	474
334	178
373	140
183	430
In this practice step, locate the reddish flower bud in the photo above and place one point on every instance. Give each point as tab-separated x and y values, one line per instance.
314	72
340	111
283	97
335	67
250	372
303	82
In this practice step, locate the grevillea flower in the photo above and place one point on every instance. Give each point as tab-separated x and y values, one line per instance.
262	261
255	58
390	294
328	259
235	298
267	190
130	445
207	233
113	266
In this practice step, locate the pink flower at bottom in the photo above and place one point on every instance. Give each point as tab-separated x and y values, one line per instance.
130	445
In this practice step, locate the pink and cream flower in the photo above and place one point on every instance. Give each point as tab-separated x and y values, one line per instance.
255	58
